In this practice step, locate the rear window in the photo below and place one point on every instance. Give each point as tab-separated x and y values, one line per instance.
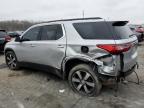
93	30
2	34
120	30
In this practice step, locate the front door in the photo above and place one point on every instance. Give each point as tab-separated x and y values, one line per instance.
27	51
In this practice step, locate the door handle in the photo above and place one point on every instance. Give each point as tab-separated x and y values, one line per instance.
60	46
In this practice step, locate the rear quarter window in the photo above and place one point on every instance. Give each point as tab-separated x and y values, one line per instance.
93	30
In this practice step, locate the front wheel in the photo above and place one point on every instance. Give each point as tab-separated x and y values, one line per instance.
84	81
11	60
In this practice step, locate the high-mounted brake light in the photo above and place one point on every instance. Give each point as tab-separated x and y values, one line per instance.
115	49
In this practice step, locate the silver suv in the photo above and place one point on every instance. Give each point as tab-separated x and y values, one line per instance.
85	51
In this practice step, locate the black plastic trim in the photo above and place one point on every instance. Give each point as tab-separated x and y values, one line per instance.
46	68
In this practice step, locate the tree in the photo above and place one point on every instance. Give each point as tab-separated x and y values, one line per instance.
15	25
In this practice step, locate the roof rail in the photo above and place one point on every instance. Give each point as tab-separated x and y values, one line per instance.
74	19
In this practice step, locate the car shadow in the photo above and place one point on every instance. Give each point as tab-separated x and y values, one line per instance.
49	75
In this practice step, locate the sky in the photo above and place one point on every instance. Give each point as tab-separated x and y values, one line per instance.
45	10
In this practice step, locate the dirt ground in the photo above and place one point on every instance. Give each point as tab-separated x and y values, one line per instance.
37	89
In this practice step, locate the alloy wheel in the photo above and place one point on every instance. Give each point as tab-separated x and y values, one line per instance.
11	60
83	82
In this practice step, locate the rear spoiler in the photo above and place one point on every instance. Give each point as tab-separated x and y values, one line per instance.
119	23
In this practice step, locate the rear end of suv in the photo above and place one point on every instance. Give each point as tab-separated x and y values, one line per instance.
86	51
110	42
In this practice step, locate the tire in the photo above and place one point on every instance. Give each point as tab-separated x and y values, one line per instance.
84	81
11	60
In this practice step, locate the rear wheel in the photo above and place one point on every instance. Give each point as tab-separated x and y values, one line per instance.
11	60
83	80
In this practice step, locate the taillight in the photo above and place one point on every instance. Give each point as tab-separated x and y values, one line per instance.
115	49
7	38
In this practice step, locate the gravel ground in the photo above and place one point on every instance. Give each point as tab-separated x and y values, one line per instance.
37	89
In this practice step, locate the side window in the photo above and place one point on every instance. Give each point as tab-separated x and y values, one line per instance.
32	34
93	30
51	32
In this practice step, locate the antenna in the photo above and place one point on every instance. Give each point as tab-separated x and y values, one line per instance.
83	14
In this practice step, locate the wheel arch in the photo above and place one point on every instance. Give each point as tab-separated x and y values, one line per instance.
69	63
8	49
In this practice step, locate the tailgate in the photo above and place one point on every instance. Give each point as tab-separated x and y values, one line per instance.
129	58
123	35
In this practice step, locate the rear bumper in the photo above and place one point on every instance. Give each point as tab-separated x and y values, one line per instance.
116	68
127	73
120	73
107	78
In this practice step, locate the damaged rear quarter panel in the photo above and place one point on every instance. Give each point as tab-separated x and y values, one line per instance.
73	50
112	68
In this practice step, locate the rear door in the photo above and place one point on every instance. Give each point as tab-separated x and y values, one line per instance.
52	45
123	35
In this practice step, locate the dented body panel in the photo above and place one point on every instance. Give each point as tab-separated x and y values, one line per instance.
73	51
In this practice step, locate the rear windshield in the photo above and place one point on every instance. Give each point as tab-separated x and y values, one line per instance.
93	30
121	31
2	34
